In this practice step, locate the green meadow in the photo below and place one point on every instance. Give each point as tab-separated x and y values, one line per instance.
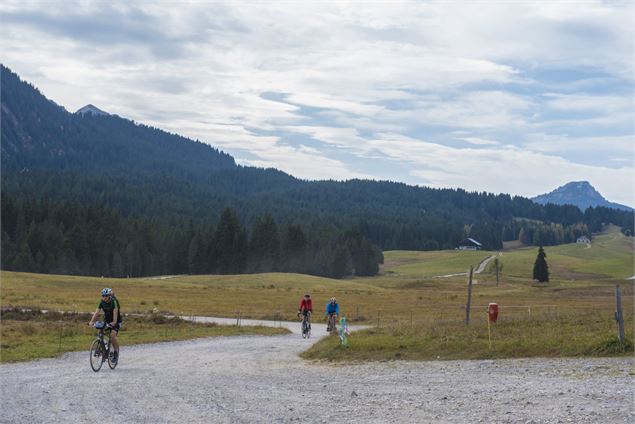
416	313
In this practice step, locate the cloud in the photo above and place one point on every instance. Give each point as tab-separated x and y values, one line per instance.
480	141
335	90
502	170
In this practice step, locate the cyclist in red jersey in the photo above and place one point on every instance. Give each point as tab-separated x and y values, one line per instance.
306	307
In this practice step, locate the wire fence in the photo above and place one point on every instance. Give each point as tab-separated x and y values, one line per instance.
365	315
74	335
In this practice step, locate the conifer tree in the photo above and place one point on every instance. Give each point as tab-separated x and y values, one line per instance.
541	269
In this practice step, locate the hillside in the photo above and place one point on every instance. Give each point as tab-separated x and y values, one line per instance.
167	191
39	134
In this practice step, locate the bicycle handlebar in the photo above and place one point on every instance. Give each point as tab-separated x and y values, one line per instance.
105	326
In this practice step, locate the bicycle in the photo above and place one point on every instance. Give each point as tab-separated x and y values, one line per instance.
331	324
100	348
306	327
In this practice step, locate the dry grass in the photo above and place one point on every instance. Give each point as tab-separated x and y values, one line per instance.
405	293
547	335
34	335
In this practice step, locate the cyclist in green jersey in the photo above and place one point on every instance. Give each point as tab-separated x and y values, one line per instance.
112	316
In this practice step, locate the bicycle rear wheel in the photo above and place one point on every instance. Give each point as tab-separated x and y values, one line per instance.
96	355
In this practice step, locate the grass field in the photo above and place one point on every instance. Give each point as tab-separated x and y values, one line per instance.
609	256
545	335
407	294
34	335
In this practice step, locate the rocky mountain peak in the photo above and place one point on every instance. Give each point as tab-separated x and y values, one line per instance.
579	193
92	110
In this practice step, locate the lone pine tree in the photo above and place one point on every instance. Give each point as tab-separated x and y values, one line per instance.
541	269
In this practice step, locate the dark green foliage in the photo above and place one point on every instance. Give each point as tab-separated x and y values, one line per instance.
342	264
264	245
541	269
66	238
229	244
293	255
544	233
151	199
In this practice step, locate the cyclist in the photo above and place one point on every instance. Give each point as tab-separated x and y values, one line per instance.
332	308
306	307
112	316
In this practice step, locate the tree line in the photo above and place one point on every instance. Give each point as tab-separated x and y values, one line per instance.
51	236
146	177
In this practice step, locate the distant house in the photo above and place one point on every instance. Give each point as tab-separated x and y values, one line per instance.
583	239
469	244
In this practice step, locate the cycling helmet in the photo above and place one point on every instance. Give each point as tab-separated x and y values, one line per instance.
333	299
307	295
106	292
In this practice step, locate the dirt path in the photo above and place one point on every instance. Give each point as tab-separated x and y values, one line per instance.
262	380
480	268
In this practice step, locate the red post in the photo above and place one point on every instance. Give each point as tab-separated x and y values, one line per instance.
492	312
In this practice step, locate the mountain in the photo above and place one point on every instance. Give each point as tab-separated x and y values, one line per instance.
77	167
39	134
91	110
579	193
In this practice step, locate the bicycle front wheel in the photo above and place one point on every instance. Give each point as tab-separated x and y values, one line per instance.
96	355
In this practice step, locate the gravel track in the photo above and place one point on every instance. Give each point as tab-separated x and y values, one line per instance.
258	379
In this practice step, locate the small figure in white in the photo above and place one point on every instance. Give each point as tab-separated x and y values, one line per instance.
344	332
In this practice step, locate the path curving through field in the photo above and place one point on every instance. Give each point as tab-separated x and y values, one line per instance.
258	379
479	269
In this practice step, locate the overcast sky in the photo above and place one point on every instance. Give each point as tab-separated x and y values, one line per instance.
505	97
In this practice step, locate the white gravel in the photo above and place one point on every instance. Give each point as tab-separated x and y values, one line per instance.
259	379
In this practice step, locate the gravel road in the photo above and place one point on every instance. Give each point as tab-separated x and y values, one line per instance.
257	379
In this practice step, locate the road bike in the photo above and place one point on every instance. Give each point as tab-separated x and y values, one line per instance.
330	324
100	348
306	327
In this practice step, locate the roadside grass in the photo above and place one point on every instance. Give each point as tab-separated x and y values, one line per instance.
33	335
571	335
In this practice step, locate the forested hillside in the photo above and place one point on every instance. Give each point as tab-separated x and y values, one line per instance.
65	238
164	197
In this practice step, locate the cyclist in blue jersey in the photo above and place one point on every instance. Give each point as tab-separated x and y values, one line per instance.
112	316
332	311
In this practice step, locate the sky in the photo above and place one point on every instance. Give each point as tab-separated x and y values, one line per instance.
505	97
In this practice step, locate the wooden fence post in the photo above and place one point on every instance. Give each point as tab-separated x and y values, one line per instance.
59	347
496	264
618	314
469	297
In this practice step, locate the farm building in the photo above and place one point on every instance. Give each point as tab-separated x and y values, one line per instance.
469	244
583	239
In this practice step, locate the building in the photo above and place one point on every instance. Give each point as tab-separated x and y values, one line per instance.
469	244
583	239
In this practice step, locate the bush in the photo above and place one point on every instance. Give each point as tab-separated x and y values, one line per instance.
613	346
